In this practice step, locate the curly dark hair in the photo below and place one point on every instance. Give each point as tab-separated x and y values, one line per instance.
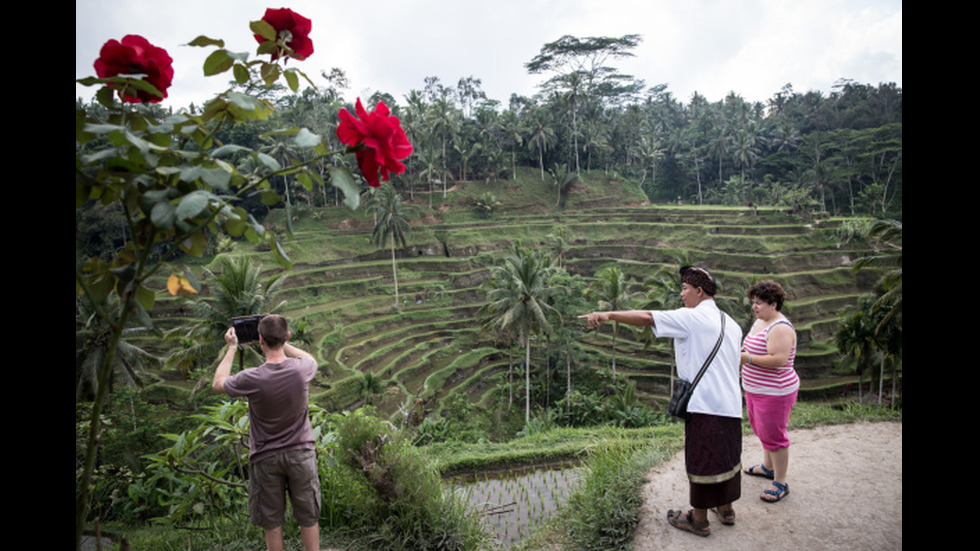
769	292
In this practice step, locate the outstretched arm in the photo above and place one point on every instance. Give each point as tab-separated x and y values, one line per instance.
638	318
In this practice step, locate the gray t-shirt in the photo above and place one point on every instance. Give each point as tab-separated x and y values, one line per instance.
278	405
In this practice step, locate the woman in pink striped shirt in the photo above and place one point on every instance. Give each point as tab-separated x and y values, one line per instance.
770	383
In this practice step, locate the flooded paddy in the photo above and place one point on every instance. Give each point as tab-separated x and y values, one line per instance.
511	504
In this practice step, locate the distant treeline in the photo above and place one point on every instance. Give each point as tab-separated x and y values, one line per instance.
841	152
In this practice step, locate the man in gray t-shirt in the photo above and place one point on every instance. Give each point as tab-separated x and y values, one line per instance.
282	454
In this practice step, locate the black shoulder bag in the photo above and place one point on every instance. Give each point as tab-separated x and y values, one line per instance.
683	389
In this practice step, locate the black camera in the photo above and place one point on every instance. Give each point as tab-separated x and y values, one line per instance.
247	327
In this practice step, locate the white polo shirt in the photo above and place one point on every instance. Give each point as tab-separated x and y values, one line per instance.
695	332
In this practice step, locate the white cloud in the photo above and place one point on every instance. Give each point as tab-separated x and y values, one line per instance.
711	46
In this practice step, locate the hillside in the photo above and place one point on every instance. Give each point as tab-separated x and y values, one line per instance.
432	347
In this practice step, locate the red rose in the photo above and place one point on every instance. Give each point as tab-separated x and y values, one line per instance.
293	29
383	140
134	55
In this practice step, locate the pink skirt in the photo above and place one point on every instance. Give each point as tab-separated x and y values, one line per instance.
769	418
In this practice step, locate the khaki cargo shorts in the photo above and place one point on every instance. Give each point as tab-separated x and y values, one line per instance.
291	472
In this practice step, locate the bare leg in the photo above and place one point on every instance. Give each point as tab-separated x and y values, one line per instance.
273	539
311	537
779	459
700	515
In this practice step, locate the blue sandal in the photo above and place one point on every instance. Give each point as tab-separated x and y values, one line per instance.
766	473
781	491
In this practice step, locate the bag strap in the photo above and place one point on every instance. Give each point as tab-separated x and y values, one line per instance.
712	355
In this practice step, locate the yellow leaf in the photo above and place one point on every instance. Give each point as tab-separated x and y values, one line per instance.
178	285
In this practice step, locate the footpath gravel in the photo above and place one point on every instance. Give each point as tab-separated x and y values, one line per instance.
845	493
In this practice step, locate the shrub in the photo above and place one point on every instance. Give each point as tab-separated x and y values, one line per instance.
404	505
602	514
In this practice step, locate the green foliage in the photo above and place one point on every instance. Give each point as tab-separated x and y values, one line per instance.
459	421
404	506
237	288
203	473
174	185
604	512
606	401
486	205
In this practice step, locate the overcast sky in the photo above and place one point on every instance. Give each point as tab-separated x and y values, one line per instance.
713	47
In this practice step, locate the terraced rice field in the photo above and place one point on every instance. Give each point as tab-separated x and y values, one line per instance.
432	346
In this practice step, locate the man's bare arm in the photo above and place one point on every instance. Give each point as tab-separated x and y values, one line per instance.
638	318
224	367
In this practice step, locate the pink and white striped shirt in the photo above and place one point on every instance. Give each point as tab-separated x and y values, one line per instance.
770	381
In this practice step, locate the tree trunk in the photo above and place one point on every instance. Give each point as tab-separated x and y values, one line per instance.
527	381
568	384
394	271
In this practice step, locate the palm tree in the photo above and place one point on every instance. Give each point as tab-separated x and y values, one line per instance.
391	223
611	292
662	293
558	246
648	151
91	348
430	169
236	289
745	147
720	146
855	342
562	178
443	119
595	140
541	140
889	234
369	386
513	129
283	150
573	95
518	303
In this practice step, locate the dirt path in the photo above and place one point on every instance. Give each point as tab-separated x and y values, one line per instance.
845	493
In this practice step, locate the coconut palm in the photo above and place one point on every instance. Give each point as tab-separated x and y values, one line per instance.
91	347
513	129
558	245
611	292
518	303
573	94
443	119
888	233
391	223
562	179
855	342
542	139
283	149
663	293
237	288
369	386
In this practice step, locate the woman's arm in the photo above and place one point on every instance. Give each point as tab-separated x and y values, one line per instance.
779	343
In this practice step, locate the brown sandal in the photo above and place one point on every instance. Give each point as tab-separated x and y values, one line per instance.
686	522
726	516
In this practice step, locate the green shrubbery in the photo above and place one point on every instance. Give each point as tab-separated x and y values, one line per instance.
378	490
603	514
396	497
